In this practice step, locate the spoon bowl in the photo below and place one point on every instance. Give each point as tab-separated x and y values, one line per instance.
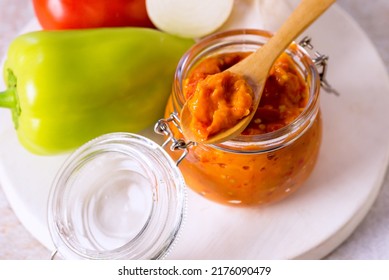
255	68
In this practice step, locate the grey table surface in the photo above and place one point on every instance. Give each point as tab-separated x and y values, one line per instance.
369	241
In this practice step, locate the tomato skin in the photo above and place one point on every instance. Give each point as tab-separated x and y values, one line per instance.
79	14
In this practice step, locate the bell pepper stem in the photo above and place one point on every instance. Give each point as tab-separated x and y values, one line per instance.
7	98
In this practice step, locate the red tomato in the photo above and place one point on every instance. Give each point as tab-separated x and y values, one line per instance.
75	14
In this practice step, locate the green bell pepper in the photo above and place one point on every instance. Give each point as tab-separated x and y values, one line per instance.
67	87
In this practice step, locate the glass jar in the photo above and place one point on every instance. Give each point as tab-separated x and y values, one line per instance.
258	169
120	196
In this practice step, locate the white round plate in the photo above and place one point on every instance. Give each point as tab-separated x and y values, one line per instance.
308	225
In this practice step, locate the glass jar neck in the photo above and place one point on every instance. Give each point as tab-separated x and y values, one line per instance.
249	40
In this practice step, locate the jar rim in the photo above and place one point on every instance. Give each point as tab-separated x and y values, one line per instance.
81	203
247	37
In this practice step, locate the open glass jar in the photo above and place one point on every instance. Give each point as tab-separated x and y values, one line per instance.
251	169
119	196
122	196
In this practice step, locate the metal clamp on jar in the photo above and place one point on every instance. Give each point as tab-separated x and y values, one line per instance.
122	196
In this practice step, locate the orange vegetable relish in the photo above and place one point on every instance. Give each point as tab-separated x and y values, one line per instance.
218	102
207	90
251	174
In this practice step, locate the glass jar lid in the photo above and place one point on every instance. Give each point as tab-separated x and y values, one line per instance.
119	196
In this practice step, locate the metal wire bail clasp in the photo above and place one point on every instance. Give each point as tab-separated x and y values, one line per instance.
320	61
162	127
53	254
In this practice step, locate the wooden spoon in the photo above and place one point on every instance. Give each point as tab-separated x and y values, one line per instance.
255	67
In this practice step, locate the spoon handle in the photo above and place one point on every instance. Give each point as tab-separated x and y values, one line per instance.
305	13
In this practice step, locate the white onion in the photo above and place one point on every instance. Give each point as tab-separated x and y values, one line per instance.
189	18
